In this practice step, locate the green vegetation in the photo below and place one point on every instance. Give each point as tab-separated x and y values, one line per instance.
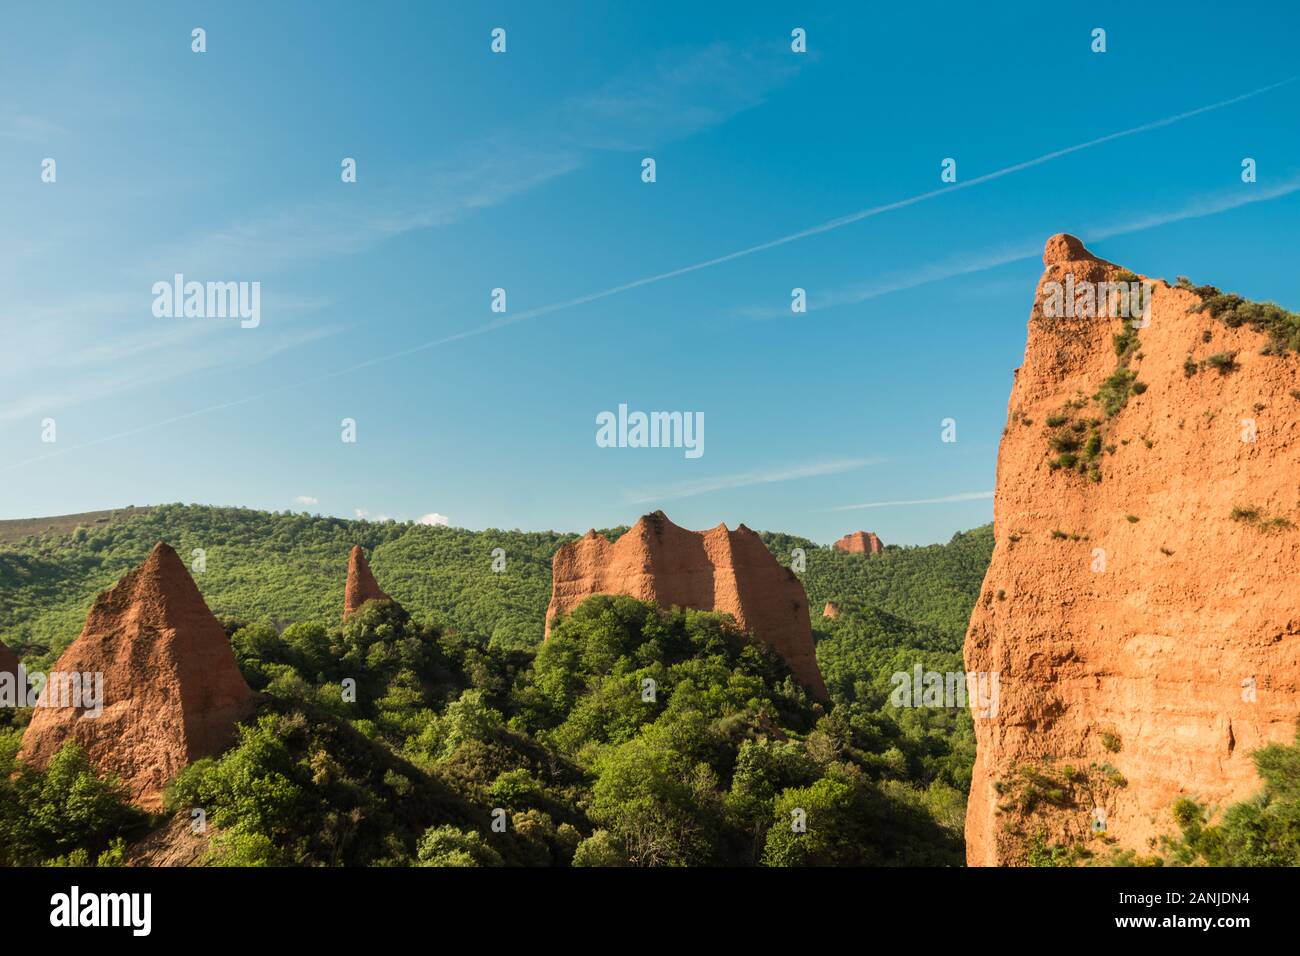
582	761
1222	362
400	737
1119	385
1070	800
1261	831
1084	455
1114	392
933	586
1256	518
1073	451
281	568
1281	326
67	816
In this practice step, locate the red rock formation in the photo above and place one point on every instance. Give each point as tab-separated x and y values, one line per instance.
1141	626
362	586
172	692
860	542
830	610
715	570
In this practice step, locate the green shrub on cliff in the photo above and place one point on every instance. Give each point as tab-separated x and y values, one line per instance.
1261	831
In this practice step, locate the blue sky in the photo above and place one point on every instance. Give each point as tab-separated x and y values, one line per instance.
523	171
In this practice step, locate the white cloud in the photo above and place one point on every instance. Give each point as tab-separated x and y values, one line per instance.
433	518
361	513
307	500
701	486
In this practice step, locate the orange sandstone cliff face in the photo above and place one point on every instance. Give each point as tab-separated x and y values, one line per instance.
361	586
172	692
716	570
1142	634
860	542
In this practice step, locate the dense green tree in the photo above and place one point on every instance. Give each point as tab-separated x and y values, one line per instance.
67	808
1263	830
635	735
448	846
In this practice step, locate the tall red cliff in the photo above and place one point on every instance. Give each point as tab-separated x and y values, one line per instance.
172	691
860	542
361	586
1141	608
716	570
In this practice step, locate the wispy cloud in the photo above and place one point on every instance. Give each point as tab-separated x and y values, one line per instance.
703	486
833	224
28	129
51	378
677	95
1197	208
400	224
971	263
674	96
947	499
306	500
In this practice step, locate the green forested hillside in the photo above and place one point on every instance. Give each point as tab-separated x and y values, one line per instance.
280	568
934	585
636	735
284	567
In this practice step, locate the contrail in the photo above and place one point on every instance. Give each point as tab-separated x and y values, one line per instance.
830	225
685	270
1032	249
702	486
947	499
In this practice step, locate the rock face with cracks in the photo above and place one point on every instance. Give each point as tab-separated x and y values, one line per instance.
717	570
1141	608
172	691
